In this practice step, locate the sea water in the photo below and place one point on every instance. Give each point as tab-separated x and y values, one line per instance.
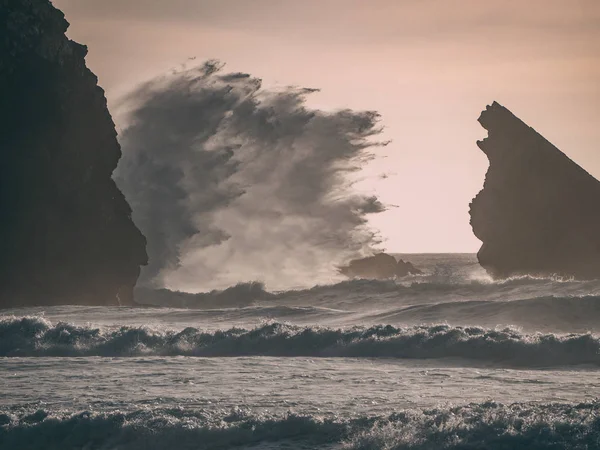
446	360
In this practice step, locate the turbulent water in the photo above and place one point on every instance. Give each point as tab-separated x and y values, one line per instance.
446	360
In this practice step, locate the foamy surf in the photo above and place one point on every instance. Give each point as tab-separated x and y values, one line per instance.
37	337
361	364
488	425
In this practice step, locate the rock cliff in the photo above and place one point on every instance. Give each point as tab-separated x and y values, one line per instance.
66	234
538	212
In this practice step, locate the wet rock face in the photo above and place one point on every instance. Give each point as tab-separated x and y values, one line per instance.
538	212
66	234
379	267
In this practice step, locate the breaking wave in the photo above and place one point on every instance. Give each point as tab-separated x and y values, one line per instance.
425	287
487	425
35	336
242	294
536	304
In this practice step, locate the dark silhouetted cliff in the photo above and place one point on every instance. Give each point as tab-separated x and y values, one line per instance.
66	234
538	212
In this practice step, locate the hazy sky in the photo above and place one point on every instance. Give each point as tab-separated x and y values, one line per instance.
428	66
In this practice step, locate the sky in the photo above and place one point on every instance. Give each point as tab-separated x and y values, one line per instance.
428	67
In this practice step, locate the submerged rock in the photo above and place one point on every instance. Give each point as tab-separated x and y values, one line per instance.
66	234
539	212
379	267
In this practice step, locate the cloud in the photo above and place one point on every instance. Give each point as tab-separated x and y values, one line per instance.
230	182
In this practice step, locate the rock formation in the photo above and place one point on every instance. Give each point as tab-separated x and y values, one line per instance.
379	267
404	268
66	234
538	212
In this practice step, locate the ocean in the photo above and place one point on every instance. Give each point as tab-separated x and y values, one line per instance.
445	360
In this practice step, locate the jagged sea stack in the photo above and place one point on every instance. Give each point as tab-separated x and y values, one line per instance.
66	234
538	212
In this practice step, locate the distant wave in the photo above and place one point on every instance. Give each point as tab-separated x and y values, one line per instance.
556	314
245	294
435	282
35	336
417	288
242	294
486	425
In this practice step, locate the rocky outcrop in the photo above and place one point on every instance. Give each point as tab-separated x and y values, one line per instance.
66	234
538	212
379	267
404	268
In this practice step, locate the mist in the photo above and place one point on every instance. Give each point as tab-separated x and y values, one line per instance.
230	182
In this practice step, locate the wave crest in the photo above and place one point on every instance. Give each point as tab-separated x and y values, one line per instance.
35	336
487	425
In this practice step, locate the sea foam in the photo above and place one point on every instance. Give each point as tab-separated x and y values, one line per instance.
486	425
36	336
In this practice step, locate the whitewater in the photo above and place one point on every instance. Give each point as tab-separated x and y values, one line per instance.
445	360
